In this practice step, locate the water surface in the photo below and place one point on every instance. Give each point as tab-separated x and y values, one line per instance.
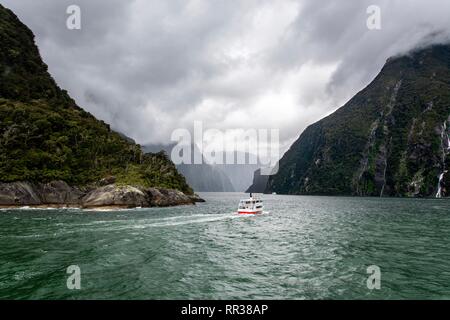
302	248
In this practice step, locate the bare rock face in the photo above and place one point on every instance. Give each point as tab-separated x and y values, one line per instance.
29	194
18	194
60	194
116	196
166	197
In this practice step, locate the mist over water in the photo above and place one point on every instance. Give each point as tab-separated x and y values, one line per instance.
302	248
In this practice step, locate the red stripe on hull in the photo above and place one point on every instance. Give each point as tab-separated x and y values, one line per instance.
243	212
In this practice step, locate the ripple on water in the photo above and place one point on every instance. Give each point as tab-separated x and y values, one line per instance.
302	248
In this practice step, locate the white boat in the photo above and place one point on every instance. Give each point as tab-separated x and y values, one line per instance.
252	205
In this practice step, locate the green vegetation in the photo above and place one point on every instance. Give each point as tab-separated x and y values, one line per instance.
384	141
45	136
155	170
23	74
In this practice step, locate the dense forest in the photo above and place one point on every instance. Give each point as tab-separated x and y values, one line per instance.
45	136
391	139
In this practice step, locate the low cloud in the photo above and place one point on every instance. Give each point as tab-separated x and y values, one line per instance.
149	67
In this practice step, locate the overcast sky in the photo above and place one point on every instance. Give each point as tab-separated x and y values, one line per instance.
148	67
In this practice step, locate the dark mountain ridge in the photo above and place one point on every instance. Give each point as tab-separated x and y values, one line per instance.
390	139
45	137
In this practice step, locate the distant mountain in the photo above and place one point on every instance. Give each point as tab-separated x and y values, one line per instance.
45	137
391	139
241	175
259	183
202	177
207	178
213	177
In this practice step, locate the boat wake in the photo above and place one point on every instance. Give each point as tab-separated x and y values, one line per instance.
120	225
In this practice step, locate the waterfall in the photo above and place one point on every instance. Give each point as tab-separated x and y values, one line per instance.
445	139
439	192
448	142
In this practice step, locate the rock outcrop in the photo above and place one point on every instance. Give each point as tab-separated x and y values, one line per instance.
164	197
116	196
18	194
60	194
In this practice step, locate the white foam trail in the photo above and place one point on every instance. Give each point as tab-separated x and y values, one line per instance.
207	218
111	225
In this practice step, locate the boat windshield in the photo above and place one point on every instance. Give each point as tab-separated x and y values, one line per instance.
250	204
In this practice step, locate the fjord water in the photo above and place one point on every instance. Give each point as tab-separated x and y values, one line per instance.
302	248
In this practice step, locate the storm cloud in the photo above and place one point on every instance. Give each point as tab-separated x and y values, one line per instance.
150	66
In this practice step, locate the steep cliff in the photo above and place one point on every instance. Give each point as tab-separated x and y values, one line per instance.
46	137
259	183
391	139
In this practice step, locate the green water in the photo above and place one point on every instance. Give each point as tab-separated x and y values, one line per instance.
303	248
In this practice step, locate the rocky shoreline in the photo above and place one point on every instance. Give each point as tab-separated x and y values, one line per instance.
58	194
